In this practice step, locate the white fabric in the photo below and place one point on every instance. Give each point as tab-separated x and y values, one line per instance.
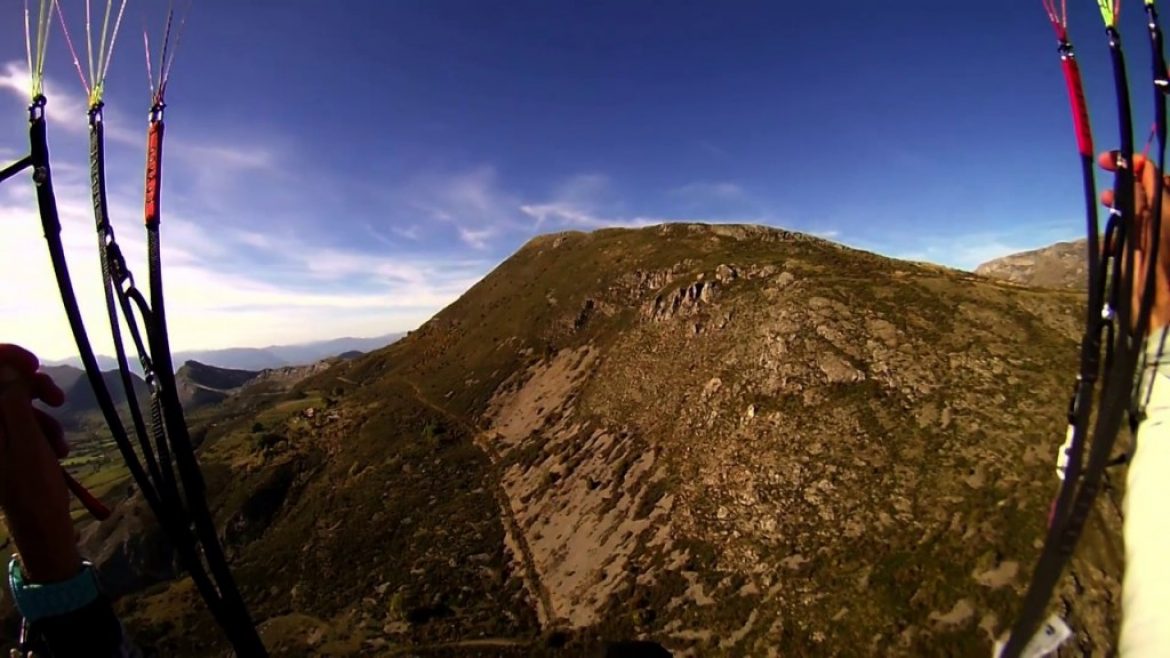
1145	626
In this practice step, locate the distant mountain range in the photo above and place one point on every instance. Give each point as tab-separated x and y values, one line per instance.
201	384
259	358
81	409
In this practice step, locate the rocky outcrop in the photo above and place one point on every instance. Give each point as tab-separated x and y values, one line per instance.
684	301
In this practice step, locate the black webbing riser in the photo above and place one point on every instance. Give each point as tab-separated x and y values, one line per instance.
174	521
1120	367
243	631
51	223
97	175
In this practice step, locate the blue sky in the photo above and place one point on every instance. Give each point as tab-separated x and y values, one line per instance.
349	168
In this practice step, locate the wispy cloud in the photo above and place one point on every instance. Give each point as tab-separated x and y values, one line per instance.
560	215
584	202
471	205
227	284
221	157
476	208
256	240
477	238
66	106
588	189
711	148
479	211
706	191
559	212
411	232
588	202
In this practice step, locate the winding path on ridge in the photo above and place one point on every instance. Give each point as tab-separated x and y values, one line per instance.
481	643
482	440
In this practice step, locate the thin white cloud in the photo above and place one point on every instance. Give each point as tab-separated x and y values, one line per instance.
560	215
706	191
477	238
482	213
712	148
471	204
255	240
576	204
63	107
231	283
220	157
412	232
588	189
66	106
226	286
586	202
475	191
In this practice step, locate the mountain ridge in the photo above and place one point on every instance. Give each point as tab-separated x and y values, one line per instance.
731	440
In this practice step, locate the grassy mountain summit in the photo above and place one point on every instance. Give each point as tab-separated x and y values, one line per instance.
733	440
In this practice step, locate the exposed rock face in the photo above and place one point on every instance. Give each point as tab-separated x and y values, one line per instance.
729	440
1062	265
582	522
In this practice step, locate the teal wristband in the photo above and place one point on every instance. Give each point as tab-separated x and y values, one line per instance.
40	601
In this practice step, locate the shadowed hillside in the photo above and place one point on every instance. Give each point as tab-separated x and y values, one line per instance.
731	440
201	385
81	413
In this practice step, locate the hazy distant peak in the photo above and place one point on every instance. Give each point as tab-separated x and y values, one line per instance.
262	358
1062	265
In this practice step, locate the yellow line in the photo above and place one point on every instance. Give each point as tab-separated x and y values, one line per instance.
1107	12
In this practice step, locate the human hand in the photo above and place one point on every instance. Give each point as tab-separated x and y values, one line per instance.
33	491
1146	177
